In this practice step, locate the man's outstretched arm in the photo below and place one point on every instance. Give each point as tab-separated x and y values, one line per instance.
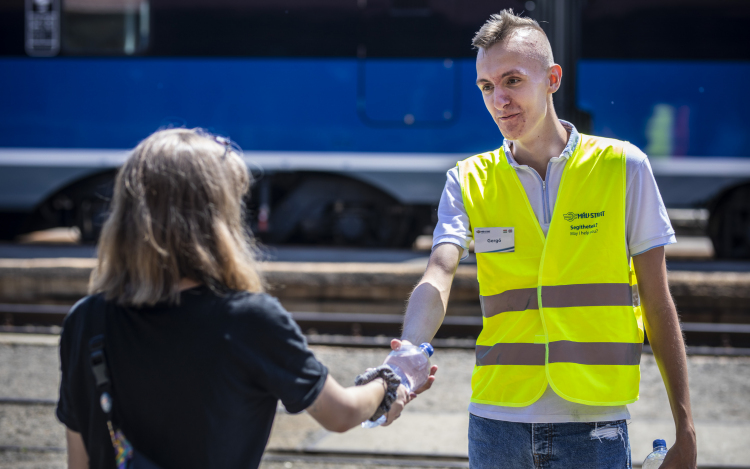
428	301
665	337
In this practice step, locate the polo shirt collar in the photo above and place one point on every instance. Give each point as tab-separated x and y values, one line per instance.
573	140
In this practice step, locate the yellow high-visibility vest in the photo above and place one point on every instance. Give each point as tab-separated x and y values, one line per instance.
563	309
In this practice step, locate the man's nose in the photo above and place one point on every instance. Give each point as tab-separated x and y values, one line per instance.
500	99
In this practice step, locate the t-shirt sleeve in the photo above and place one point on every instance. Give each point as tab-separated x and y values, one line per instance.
648	224
278	356
69	366
453	221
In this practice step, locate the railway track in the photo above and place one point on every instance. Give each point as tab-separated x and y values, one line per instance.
349	459
333	459
374	330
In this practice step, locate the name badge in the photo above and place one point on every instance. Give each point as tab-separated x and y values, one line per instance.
494	240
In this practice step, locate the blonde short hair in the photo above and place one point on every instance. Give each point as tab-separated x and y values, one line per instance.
177	212
500	27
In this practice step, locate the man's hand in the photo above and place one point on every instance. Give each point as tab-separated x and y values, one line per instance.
403	397
683	454
395	345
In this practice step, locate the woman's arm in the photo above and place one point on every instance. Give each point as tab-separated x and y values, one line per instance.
339	409
77	456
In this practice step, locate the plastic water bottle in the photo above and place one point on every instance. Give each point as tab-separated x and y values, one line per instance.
655	459
412	365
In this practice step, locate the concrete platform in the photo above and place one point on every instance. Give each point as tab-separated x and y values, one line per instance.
367	287
446	434
435	423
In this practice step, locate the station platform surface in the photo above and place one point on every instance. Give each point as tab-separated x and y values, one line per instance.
433	424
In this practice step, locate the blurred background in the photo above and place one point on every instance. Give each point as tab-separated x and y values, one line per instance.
351	111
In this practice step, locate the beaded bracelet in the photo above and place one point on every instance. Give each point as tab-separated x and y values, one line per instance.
392	381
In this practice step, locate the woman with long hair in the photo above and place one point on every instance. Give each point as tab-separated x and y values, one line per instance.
177	357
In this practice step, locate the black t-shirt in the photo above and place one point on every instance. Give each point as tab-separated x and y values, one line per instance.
194	385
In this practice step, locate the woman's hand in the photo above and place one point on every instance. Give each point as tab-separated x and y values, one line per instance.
402	398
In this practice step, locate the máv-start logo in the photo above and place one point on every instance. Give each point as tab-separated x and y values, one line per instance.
570	216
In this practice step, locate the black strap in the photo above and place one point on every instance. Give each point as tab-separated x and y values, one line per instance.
136	460
101	375
98	360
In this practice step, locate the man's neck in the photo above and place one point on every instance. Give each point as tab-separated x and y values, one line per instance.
544	143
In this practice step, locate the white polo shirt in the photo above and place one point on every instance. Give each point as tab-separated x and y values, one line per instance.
647	227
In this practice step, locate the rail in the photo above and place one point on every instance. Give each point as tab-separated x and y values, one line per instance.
375	330
332	459
348	459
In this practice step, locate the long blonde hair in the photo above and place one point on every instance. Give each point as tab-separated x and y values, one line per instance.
177	212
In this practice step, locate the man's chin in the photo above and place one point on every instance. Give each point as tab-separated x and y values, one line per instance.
509	134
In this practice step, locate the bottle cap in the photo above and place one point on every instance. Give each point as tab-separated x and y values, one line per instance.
660	444
427	348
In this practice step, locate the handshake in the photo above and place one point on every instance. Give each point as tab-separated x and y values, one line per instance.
407	372
380	394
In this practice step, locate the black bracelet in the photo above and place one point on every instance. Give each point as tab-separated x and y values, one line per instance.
392	381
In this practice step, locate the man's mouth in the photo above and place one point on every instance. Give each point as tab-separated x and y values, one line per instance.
508	117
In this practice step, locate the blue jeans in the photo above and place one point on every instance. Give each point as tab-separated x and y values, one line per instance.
597	445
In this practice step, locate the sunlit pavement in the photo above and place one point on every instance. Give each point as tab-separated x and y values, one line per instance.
435	423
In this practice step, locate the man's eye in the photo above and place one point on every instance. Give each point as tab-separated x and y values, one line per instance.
513	81
486	88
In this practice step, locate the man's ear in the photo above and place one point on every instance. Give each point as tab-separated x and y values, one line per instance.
555	77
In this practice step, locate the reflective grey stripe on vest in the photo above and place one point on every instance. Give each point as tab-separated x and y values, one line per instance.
587	294
510	354
595	353
511	300
562	351
559	296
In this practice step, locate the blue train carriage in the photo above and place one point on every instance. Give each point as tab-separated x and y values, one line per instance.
350	111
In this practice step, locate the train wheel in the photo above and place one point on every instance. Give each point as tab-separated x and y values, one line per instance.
92	213
334	210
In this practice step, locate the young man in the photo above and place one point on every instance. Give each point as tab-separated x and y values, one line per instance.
556	218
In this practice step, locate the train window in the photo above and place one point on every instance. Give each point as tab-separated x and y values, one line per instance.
262	28
666	29
111	27
425	28
42	27
320	28
12	28
411	5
